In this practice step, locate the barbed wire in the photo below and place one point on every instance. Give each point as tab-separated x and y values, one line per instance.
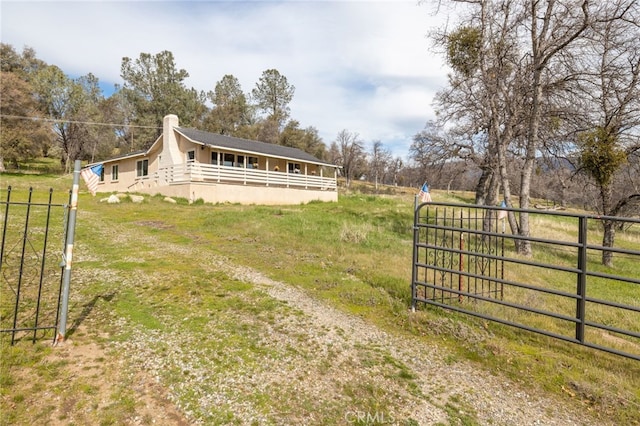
93	123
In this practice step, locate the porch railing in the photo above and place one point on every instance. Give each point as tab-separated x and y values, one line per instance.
199	172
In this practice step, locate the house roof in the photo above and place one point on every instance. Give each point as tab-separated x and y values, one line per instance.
120	157
248	146
231	143
126	155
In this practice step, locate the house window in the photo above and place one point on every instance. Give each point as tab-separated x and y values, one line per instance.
293	167
191	156
228	159
102	174
142	168
232	160
114	172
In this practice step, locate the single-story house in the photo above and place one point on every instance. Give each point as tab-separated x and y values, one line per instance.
193	164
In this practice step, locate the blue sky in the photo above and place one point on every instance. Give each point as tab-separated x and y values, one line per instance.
363	66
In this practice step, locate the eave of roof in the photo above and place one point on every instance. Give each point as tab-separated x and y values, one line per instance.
249	146
141	153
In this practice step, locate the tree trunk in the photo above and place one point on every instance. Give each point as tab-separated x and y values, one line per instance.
489	182
506	188
607	241
606	195
524	246
482	188
492	200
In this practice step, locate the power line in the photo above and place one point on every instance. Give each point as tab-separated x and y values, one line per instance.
92	123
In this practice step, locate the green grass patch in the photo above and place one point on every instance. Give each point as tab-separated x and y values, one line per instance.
146	274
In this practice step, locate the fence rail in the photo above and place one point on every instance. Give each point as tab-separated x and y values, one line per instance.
213	173
464	260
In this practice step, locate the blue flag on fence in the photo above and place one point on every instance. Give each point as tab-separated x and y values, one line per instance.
424	195
502	213
91	176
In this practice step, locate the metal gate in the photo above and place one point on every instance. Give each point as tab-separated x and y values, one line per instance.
34	229
458	254
464	261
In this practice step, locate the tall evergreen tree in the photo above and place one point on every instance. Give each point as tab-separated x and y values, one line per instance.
154	87
272	94
231	109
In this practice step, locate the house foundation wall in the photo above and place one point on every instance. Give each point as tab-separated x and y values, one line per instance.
241	194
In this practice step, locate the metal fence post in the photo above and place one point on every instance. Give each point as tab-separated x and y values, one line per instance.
414	267
581	278
68	255
4	228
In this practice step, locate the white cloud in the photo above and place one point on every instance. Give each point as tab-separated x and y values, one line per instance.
361	66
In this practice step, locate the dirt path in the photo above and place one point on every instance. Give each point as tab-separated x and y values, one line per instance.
100	375
496	400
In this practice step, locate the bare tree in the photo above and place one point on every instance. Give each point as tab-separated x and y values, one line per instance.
379	160
484	98
504	54
609	94
443	156
553	25
74	105
351	156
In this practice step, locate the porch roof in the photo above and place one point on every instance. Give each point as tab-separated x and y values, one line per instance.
249	146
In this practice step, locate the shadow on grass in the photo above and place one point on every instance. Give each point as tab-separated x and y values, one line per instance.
87	309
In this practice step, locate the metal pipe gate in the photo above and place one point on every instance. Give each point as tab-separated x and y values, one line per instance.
463	260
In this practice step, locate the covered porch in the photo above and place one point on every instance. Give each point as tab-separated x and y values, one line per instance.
217	183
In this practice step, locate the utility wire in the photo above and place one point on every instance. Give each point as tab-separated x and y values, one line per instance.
93	123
